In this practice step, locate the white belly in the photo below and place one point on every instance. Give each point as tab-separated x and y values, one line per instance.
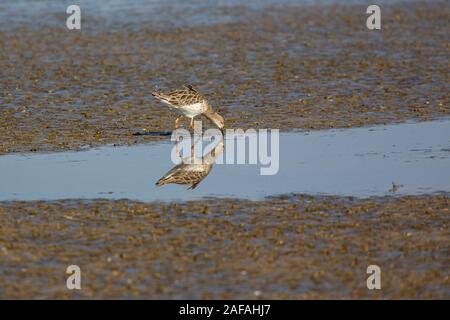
193	110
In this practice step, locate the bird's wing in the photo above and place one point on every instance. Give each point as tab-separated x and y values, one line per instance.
179	98
185	174
191	88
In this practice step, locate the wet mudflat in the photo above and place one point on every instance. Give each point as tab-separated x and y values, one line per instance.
291	66
287	65
288	247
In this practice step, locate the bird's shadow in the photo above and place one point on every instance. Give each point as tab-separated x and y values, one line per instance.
153	133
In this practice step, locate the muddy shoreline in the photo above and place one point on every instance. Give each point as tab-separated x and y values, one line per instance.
286	247
311	67
288	67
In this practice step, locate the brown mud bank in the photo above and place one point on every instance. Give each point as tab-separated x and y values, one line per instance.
285	247
299	67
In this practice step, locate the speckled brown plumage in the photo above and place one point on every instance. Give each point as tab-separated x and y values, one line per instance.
191	104
183	97
187	174
192	171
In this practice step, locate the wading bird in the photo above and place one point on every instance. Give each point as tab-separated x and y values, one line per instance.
192	170
191	104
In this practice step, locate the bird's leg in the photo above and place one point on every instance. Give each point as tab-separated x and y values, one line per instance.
193	150
177	122
177	150
191	126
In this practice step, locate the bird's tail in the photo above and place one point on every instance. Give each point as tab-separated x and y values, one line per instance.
161	181
166	179
160	96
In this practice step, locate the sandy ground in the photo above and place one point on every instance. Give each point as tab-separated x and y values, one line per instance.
289	247
288	68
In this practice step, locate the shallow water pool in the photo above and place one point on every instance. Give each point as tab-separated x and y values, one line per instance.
360	162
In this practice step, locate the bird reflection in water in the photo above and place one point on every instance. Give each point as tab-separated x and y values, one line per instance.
192	170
